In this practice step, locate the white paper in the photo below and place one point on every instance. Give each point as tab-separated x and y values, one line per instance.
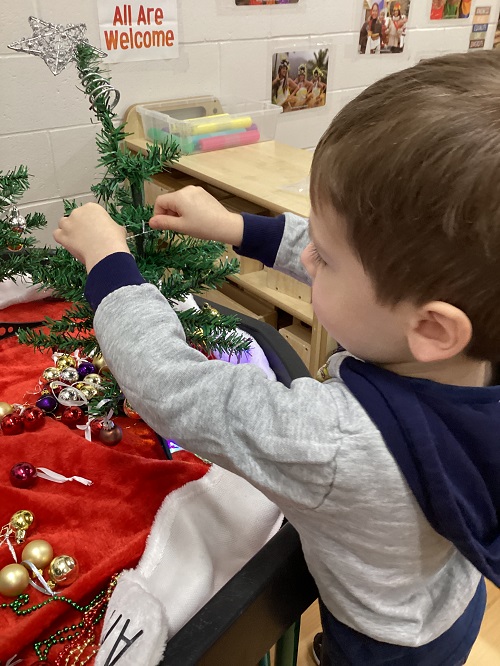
139	30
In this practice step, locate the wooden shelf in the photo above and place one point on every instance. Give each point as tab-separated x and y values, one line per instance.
263	173
256	283
263	177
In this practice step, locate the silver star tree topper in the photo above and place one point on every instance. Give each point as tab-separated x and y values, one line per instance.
54	43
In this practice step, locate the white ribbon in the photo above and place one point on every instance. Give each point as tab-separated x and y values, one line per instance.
68	403
57	355
5	533
50	475
43	587
11	661
86	427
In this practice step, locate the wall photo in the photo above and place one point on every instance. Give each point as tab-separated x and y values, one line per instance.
383	26
450	9
299	79
496	40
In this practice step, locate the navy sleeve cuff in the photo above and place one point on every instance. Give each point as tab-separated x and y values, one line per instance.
261	237
114	271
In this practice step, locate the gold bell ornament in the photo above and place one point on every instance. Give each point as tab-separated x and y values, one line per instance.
20	522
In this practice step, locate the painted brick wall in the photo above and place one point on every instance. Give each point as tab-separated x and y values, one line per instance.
224	49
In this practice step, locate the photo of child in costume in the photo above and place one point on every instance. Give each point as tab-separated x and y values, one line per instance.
299	79
450	9
496	40
383	27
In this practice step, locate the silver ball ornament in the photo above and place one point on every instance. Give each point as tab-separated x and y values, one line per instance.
68	396
69	375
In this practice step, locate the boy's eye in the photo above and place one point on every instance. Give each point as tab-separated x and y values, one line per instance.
315	255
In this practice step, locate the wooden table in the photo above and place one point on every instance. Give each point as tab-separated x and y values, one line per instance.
254	178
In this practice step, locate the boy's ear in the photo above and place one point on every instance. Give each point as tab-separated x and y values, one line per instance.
438	331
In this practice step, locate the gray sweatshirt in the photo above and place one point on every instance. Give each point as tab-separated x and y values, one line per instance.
379	566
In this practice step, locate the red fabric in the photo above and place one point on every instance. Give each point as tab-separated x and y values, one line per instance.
103	526
27	312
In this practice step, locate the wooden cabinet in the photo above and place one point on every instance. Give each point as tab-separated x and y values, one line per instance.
258	179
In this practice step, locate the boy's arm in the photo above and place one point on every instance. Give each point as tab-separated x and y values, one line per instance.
284	441
276	241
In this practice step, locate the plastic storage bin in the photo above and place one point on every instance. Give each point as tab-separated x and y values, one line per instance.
202	124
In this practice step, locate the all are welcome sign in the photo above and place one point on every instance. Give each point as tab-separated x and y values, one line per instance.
139	30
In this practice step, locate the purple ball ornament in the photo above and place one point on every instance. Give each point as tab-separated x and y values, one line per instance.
48	403
86	368
23	475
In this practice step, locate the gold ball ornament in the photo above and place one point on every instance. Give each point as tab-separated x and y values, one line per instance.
66	362
20	522
99	363
211	310
93	379
63	570
5	408
87	389
14	579
51	374
39	552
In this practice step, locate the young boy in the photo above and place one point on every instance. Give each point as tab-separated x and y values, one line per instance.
389	469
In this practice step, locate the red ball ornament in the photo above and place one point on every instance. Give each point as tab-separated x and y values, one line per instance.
33	418
23	475
12	424
111	437
96	427
72	416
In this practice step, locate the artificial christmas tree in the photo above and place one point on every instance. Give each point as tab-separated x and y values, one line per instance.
18	256
177	265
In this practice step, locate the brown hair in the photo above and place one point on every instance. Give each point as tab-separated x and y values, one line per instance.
413	167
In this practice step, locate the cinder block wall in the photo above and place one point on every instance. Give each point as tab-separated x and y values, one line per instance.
224	49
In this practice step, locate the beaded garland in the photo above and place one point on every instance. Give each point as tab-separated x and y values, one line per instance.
84	634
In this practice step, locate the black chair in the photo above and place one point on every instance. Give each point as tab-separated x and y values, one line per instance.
262	604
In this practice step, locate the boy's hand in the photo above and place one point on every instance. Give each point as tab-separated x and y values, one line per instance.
195	212
90	235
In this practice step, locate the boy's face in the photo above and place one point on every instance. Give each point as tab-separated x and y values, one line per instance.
344	299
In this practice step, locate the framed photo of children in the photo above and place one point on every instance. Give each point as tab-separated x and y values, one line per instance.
383	26
496	39
246	3
299	79
450	9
